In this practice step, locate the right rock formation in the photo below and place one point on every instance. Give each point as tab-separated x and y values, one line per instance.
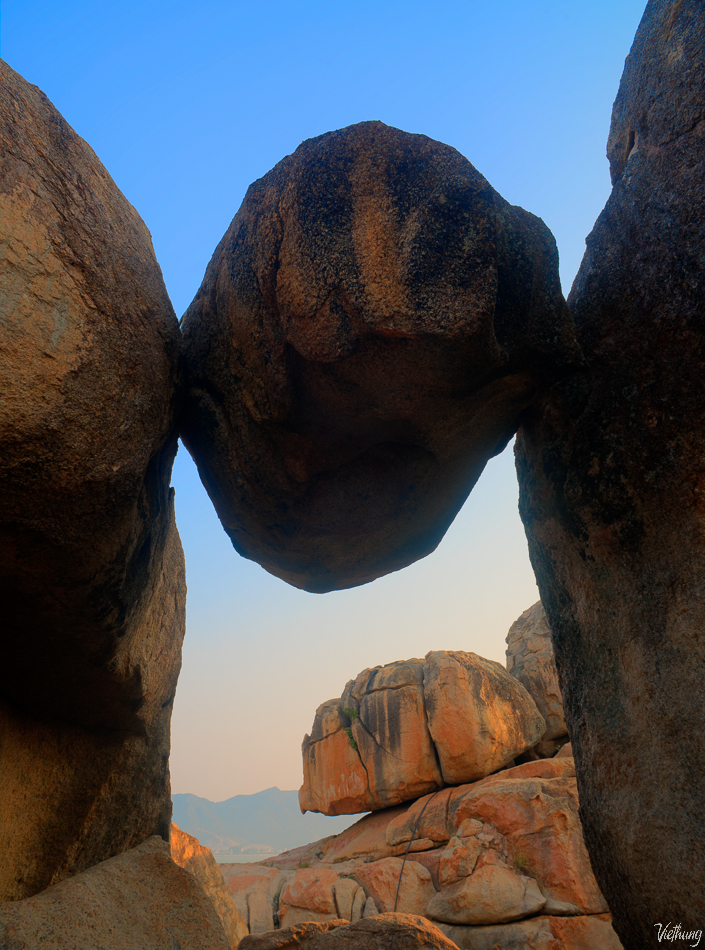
612	484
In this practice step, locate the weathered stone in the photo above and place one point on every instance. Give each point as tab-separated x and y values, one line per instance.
366	838
538	933
383	879
72	795
192	856
139	900
350	898
382	932
479	716
458	860
407	728
521	821
293	936
612	485
490	895
372	748
255	891
425	818
530	659
91	570
538	816
365	337
308	895
335	780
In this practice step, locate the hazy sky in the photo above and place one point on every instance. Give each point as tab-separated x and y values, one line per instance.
186	105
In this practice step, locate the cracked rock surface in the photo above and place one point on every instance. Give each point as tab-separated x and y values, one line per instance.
413	726
497	863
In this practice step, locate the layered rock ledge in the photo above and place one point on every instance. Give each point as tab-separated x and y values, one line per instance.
499	862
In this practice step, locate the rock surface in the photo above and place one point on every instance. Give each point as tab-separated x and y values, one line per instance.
538	933
189	854
385	932
504	848
489	895
139	900
407	728
530	659
91	570
612	485
366	334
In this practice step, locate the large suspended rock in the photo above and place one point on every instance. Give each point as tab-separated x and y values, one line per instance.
612	474
91	569
407	728
365	336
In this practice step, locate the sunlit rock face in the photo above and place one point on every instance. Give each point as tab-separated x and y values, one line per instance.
91	568
530	659
410	727
497	863
612	474
365	337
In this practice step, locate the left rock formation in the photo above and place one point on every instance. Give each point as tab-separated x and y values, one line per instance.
91	567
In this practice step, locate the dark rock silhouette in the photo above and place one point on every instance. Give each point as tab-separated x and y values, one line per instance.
91	568
613	495
366	334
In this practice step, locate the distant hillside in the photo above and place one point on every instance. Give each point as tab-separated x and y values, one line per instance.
266	820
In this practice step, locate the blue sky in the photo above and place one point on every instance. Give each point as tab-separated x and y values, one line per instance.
187	105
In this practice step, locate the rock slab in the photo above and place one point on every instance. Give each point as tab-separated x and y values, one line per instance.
612	494
365	336
483	859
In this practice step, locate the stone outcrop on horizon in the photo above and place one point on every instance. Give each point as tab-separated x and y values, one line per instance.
410	727
364	339
530	659
91	567
612	494
502	859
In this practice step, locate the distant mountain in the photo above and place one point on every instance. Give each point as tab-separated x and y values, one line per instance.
266	821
